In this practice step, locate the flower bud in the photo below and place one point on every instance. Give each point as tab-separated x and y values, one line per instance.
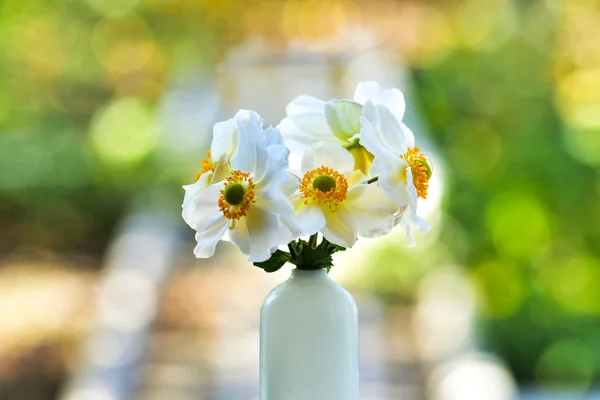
343	118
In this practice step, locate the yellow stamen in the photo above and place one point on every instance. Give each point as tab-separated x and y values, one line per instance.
332	195
420	168
207	166
236	180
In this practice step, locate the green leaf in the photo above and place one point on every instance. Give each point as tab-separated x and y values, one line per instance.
312	259
277	260
334	248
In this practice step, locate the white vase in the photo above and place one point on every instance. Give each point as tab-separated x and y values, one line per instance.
309	340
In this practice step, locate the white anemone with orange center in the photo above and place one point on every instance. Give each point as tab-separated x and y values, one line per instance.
403	171
248	206
335	200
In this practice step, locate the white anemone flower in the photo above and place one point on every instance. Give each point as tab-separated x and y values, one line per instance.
310	120
247	206
403	172
335	200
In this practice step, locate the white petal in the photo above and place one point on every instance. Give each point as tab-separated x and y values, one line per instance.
409	137
366	91
409	218
392	99
201	212
390	180
272	137
280	205
387	128
310	219
275	163
297	201
391	131
200	208
420	224
312	124
192	190
338	229
371	212
240	236
208	239
290	185
355	177
223	169
307	129
305	104
250	139
296	140
304	130
371	140
261	153
266	233
224	140
269	153
404	225
329	155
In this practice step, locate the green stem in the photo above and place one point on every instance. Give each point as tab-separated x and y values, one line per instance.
312	241
372	180
324	243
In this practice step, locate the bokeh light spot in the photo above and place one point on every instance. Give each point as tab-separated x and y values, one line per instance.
518	223
475	19
577	92
501	287
584	144
124	131
123	45
566	364
472	377
574	283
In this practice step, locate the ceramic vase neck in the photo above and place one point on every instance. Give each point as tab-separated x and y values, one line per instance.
309	273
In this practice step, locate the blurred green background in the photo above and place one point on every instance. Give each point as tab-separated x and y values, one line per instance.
509	92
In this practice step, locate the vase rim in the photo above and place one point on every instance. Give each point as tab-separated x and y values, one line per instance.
307	272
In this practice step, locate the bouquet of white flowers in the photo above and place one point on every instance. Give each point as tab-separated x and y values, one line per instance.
361	175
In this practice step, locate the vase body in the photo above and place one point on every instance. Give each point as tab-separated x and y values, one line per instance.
309	340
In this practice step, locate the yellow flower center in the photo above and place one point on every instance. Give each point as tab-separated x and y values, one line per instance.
237	195
325	186
207	165
420	168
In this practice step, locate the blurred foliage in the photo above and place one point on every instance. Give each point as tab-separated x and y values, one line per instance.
520	136
80	82
510	91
